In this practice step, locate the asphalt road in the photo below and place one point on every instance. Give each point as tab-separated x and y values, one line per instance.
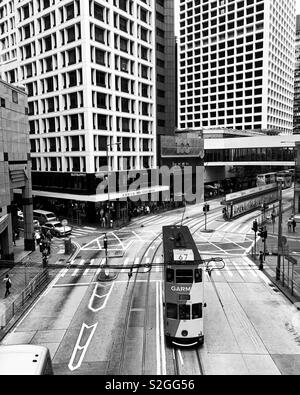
115	327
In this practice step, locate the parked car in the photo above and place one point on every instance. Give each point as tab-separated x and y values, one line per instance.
56	228
36	224
44	216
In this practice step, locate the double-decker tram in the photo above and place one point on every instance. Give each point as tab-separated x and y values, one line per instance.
183	288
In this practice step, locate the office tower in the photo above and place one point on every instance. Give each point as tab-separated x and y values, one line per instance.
90	71
14	169
237	64
297	80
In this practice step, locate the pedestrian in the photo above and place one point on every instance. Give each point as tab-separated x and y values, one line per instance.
14	237
261	260
8	284
294	224
289	224
37	238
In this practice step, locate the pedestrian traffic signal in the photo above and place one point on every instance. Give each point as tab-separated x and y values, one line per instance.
206	208
265	236
105	243
255	226
261	232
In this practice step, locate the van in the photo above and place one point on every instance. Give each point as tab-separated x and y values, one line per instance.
25	360
44	216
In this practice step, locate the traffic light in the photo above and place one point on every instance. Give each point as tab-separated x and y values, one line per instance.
255	226
206	208
261	232
105	242
265	236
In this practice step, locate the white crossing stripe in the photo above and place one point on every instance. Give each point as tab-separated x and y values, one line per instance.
100	268
125	264
87	227
240	271
64	272
157	267
87	270
147	262
81	263
228	271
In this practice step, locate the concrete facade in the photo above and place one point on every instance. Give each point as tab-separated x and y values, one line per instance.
15	167
93	73
297	81
297	181
236	62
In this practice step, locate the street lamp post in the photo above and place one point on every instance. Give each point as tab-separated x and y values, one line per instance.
108	146
279	231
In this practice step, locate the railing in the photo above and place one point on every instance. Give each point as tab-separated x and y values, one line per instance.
9	311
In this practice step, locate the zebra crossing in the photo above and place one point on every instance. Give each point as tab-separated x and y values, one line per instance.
87	266
83	231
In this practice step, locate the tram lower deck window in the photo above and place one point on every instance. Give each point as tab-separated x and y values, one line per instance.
184	276
197	311
198	276
172	311
184	312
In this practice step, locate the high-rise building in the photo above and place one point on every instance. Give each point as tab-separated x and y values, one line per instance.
236	60
14	169
297	81
92	70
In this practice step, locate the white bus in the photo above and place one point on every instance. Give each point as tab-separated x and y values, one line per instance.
25	360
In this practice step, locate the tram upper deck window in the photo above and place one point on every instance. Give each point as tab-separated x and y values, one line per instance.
184	312
184	276
198	276
197	311
170	275
172	311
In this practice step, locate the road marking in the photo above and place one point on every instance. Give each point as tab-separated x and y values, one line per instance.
158	353
125	264
63	272
87	270
157	267
162	336
96	296
100	268
240	271
81	263
228	271
147	263
79	348
87	227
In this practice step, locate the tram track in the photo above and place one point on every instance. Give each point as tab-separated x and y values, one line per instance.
187	361
133	291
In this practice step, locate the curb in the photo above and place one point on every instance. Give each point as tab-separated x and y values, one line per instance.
294	300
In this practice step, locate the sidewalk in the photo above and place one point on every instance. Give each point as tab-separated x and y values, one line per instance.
25	276
289	283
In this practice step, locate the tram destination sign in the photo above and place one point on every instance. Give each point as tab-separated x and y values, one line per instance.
183	255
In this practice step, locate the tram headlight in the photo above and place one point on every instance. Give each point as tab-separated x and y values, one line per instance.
184	333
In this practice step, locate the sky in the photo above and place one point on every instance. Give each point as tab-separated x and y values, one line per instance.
298	6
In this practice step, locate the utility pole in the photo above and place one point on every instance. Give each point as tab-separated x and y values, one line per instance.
105	247
206	209
255	228
279	180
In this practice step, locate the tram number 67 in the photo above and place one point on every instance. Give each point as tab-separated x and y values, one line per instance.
183	257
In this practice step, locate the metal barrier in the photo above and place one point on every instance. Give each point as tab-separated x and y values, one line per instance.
8	312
